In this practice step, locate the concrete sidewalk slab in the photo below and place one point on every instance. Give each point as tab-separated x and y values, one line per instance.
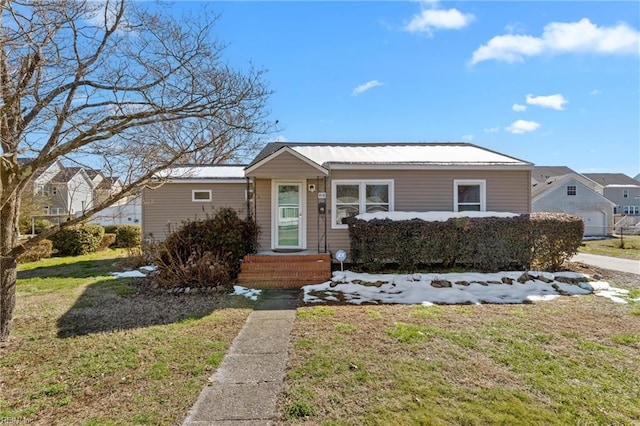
244	389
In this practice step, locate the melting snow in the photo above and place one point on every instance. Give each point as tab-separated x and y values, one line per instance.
250	293
129	274
430	216
459	288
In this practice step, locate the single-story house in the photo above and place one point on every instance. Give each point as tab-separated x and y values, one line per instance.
300	194
574	194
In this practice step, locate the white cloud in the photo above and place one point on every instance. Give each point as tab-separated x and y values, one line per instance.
366	86
429	20
492	130
467	138
562	37
519	127
595	92
518	107
556	101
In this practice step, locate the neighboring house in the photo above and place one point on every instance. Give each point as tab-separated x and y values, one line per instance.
541	174
190	193
621	189
300	194
127	213
108	186
70	193
574	194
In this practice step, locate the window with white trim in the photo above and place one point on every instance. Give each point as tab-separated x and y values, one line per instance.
571	190
201	195
352	197
469	195
625	193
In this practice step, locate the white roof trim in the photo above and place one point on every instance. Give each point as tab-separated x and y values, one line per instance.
204	180
279	152
422	166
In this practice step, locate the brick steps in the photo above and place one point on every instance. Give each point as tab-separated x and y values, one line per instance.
284	271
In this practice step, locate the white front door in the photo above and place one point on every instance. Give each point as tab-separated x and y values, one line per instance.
289	218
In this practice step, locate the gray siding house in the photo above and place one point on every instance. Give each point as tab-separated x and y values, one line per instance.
622	190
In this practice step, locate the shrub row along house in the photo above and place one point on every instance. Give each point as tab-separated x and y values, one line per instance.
300	194
61	192
605	201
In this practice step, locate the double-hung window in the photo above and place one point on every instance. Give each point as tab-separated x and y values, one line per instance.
352	197
571	190
469	195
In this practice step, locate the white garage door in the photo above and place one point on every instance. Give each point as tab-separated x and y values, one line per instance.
594	223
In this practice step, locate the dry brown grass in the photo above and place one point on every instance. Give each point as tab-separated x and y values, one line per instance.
571	360
88	349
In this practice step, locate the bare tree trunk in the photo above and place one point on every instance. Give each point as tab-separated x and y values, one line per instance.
8	267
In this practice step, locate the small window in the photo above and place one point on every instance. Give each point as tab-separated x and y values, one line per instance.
636	210
625	193
469	195
54	190
626	210
201	195
571	190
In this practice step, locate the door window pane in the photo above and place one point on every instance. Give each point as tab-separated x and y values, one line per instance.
288	215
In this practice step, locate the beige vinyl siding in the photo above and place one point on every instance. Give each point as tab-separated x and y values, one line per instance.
432	190
414	190
285	165
171	204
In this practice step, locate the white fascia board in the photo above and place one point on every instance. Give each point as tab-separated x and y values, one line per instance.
204	181
282	150
345	166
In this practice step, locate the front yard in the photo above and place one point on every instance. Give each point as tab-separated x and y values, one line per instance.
87	350
573	360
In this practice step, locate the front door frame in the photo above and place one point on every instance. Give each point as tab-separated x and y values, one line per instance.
303	216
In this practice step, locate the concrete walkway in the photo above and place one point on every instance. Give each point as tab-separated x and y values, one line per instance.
606	262
244	389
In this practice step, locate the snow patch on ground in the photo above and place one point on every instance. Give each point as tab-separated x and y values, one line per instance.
430	216
456	288
249	293
129	274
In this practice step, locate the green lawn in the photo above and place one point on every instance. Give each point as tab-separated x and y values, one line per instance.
613	247
574	360
87	349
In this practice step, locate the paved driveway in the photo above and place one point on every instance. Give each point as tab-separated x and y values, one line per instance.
613	263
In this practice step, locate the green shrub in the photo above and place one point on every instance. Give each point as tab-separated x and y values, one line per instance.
77	240
544	240
128	236
207	252
111	229
107	241
41	250
40	225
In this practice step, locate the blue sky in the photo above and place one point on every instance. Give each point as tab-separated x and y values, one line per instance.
554	83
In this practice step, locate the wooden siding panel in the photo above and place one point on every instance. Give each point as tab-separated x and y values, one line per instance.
171	204
285	166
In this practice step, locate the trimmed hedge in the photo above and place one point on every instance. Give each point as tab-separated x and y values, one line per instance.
555	239
207	252
42	250
488	244
77	240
